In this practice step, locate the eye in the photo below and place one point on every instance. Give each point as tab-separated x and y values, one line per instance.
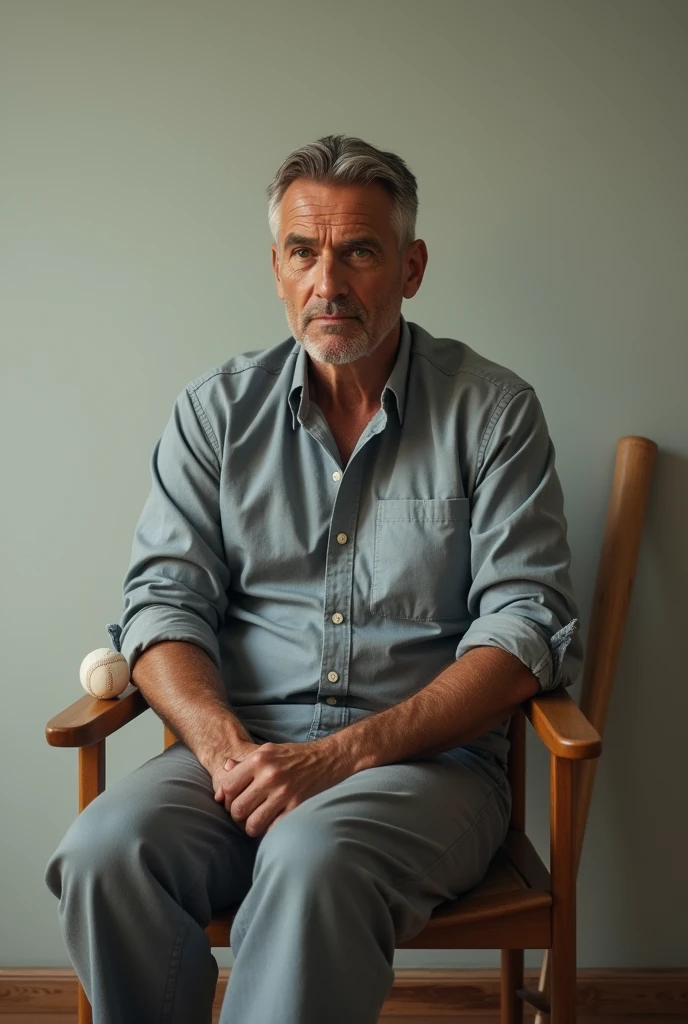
297	251
366	252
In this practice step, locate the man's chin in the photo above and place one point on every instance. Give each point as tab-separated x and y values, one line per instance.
329	353
329	346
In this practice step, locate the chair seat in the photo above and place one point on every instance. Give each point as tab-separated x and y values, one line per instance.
509	909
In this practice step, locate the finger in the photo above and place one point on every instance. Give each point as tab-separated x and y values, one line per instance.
233	784
264	817
246	803
230	763
228	799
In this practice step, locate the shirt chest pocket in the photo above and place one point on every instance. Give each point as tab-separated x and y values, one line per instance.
422	558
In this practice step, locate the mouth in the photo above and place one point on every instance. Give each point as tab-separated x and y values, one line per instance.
332	319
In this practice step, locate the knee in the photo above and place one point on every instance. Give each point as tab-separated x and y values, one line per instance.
106	843
92	846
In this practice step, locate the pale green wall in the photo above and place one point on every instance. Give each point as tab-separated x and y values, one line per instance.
137	138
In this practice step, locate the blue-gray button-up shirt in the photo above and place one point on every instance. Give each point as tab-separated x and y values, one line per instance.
326	592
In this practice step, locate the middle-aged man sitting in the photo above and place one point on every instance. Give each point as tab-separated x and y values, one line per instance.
351	568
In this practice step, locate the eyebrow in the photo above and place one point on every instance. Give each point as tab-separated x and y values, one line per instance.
360	242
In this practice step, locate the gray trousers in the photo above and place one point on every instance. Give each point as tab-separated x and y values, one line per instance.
324	895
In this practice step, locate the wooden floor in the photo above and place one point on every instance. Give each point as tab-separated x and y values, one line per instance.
66	1018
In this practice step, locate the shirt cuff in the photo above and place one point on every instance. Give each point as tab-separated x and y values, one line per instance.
544	657
161	622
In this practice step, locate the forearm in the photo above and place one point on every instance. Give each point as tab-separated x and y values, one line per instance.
470	697
183	686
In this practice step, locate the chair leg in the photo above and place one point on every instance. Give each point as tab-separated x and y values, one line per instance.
511	1005
544	985
563	872
564	994
84	1014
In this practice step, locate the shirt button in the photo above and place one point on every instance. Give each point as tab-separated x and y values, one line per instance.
337	618
342	538
331	700
333	676
337	475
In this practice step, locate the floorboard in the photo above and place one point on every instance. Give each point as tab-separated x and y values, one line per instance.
67	1018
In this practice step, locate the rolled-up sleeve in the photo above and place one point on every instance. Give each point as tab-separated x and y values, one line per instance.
521	597
176	585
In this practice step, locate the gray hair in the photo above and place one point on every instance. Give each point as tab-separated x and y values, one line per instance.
346	160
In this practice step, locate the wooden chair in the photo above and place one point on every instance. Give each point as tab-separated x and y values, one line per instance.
518	905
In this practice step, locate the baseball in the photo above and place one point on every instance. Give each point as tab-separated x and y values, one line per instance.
104	673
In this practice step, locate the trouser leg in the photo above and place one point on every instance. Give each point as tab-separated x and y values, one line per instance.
138	875
348	873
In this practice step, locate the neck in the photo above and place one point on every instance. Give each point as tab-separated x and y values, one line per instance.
354	389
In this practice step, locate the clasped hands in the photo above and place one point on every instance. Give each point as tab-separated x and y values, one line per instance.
273	778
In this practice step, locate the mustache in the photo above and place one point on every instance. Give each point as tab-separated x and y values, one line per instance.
333	311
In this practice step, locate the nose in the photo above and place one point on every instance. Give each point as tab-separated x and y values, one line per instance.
330	280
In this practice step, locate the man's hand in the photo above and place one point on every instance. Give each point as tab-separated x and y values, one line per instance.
220	772
274	778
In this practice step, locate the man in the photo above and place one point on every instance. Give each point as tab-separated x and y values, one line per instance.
351	568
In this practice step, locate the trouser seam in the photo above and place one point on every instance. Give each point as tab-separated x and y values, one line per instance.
175	960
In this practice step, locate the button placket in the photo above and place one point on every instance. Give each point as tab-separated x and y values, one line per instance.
339	587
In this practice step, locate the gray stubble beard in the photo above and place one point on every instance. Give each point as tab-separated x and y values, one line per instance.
352	345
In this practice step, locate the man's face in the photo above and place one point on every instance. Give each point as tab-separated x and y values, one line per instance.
338	268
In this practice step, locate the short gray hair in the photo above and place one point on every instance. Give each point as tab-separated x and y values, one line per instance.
346	160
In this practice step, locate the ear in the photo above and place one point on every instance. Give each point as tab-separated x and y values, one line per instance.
416	262
276	269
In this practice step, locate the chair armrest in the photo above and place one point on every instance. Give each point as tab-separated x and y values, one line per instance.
562	726
90	719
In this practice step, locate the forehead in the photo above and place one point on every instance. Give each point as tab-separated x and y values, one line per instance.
309	207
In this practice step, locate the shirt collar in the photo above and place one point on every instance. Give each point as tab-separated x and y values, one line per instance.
298	397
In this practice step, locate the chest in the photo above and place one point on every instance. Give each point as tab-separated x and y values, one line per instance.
346	432
346	438
390	534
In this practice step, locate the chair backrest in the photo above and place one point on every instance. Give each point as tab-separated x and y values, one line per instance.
626	508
